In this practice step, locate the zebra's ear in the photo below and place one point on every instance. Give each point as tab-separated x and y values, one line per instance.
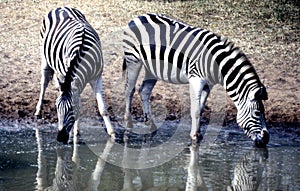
259	94
263	94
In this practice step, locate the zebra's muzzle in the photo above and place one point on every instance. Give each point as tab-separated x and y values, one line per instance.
63	136
261	139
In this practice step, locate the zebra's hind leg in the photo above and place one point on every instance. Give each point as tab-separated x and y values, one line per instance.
145	92
132	70
98	91
47	74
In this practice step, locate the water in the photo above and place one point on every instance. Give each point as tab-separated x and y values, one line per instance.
31	159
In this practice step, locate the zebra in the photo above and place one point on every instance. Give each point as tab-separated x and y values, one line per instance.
71	55
178	53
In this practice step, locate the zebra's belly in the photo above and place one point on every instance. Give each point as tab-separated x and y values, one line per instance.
165	72
174	81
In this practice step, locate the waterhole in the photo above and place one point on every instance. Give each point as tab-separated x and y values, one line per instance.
31	159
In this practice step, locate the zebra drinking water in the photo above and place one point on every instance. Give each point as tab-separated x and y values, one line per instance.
70	49
178	53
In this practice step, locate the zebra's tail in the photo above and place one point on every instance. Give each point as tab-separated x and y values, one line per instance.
124	67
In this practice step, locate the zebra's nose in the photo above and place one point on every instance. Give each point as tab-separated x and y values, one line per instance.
63	136
262	139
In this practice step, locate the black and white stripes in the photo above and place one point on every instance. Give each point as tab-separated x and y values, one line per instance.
69	43
178	53
70	49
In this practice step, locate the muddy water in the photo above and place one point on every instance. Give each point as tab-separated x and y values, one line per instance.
31	159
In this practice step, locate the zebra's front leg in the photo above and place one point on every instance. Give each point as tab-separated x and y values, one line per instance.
98	91
76	107
47	74
76	127
204	94
196	87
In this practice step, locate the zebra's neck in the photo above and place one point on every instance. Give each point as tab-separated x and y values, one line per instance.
228	66
239	80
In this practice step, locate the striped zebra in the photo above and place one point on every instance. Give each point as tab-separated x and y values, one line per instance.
175	52
71	51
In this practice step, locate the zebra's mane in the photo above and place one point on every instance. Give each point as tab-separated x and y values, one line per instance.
75	59
64	101
249	79
172	20
235	68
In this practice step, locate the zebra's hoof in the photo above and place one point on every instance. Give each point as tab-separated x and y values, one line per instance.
37	117
128	124
150	123
113	136
196	138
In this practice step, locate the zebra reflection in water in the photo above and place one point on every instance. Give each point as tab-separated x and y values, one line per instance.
248	172
66	176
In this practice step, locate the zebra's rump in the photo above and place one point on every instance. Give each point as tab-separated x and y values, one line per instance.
70	46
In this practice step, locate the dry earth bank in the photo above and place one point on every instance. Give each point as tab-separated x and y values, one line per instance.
267	32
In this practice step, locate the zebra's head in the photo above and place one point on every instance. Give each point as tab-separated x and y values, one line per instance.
66	115
251	117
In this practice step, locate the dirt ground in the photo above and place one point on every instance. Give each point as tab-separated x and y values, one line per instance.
267	32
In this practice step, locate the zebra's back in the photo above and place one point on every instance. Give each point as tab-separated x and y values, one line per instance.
170	49
174	52
70	46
